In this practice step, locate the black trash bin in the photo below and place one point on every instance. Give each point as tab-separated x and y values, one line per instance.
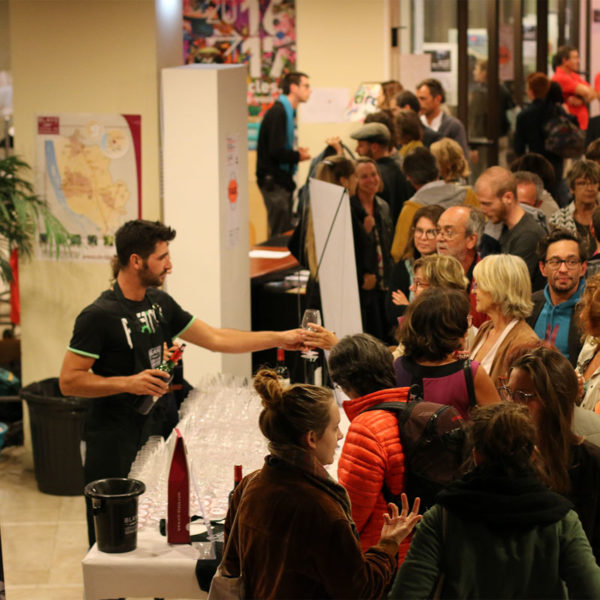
56	432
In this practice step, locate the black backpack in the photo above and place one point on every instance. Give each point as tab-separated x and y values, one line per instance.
432	437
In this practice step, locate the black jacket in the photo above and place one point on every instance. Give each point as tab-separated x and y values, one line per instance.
271	151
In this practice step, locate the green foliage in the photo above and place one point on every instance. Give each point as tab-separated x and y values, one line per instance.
23	214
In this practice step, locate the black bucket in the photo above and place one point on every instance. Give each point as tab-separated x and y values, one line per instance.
115	507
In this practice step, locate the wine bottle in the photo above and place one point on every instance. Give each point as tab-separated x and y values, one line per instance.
145	404
281	369
237	477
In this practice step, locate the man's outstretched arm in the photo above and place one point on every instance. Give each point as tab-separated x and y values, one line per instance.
237	341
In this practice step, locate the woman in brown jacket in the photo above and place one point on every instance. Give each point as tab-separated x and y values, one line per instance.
290	524
503	292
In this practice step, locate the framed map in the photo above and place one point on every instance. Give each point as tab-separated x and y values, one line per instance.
89	172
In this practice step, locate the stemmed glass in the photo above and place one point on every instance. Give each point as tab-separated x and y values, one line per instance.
311	315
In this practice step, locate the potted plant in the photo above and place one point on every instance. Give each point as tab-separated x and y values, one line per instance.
22	215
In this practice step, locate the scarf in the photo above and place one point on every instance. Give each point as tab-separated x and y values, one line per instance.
492	496
289	455
290	113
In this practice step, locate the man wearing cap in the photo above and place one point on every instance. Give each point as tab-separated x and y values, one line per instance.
374	141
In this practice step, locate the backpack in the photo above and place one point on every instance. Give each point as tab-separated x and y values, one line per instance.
563	137
432	437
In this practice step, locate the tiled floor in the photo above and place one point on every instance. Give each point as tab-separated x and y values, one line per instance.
43	537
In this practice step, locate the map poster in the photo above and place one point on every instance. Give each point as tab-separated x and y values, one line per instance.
89	172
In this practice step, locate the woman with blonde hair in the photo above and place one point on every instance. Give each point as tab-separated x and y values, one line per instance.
289	529
453	166
503	292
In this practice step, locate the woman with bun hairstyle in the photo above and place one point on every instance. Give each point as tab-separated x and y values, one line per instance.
290	523
499	532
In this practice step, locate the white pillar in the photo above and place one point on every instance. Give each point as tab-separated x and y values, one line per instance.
205	158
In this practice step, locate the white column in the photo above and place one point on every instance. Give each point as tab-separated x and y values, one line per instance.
205	157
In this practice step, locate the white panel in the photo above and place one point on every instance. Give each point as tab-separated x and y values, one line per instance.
337	275
201	106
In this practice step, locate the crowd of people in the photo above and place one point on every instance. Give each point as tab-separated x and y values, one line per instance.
482	299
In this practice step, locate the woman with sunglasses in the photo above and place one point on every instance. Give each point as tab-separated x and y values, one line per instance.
544	380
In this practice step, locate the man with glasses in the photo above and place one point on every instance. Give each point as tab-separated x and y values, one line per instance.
422	172
562	263
459	232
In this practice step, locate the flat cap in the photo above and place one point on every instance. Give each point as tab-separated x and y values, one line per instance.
372	132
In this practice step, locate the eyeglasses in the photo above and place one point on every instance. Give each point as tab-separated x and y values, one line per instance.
429	234
555	262
420	283
518	396
447	232
586	183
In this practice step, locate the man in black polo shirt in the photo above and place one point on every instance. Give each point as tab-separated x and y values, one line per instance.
117	345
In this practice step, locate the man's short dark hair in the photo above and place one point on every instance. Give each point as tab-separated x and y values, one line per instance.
362	363
538	164
140	237
529	177
435	87
420	165
593	151
558	235
408	126
385	117
289	78
409	99
563	53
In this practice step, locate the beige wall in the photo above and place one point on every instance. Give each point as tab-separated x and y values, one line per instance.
81	56
4	37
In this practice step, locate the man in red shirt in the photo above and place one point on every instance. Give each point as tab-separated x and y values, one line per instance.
576	91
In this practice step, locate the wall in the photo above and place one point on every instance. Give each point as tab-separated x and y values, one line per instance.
341	43
4	37
80	56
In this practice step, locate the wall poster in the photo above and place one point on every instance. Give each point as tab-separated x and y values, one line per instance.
89	172
259	33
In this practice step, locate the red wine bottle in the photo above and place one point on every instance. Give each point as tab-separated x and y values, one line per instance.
145	404
281	368
237	477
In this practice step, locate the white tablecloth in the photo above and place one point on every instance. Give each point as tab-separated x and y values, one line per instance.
154	569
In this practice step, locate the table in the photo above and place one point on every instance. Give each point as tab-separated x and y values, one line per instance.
154	569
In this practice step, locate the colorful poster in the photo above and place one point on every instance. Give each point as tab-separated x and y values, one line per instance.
259	33
89	172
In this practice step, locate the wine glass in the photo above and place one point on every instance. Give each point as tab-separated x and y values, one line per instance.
311	315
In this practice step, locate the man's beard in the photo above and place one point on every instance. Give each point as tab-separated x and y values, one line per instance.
149	279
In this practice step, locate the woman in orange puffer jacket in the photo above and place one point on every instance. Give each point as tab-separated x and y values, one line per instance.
372	454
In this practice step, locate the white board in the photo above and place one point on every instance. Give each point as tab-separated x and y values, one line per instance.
337	275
